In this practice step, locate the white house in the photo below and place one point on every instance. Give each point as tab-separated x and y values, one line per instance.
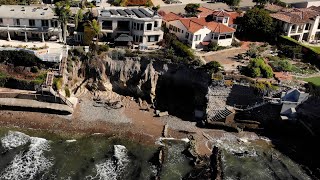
199	31
143	24
301	24
35	22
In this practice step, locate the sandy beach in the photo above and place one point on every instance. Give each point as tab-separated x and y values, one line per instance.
129	122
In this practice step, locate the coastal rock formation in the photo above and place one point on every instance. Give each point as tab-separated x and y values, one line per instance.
176	88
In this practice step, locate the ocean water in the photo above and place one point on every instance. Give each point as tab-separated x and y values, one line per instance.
27	156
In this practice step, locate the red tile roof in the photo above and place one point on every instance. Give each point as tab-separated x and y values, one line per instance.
221	13
171	17
219	28
195	24
204	12
295	15
232	17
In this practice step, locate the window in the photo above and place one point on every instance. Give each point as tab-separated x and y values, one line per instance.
149	26
1	21
187	35
307	27
54	23
107	25
225	20
153	38
170	27
32	22
182	31
197	37
319	26
156	24
17	22
44	23
141	27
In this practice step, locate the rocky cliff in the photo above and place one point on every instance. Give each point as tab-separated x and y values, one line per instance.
176	88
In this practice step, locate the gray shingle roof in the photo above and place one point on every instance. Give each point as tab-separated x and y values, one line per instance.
27	12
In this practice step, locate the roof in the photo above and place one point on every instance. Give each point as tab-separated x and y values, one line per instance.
171	17
27	12
232	17
204	12
205	43
273	7
195	24
127	12
295	15
294	95
124	38
219	28
221	13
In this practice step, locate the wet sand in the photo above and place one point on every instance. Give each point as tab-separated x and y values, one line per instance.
141	127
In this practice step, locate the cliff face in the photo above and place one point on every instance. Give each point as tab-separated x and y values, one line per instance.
175	88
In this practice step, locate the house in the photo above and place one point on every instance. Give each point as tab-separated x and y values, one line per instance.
142	24
34	22
301	24
208	26
290	100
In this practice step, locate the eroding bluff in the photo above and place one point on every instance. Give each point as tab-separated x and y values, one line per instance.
176	88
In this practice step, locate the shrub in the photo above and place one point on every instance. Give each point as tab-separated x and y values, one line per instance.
236	43
213	46
40	79
182	49
57	83
262	87
20	58
34	69
103	48
67	91
281	65
212	67
257	67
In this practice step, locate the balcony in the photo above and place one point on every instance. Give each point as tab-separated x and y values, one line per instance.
157	28
20	28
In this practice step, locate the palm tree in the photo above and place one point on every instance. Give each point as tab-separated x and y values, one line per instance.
63	11
96	29
78	17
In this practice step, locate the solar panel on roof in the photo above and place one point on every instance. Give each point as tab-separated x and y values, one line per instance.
121	12
105	13
138	13
114	12
128	11
145	12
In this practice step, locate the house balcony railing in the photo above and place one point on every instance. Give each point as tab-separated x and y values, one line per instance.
157	28
24	28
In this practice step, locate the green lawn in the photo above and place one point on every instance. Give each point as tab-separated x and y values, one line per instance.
315	80
315	48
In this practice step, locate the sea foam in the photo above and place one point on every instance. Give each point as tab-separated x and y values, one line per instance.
14	139
26	165
111	168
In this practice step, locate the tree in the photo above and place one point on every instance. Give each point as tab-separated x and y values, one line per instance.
63	12
261	2
78	17
212	67
96	29
232	3
257	23
192	9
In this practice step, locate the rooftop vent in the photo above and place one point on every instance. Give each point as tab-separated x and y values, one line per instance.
45	9
12	10
42	13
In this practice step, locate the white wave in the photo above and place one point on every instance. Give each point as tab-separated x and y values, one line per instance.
14	139
26	165
71	140
110	169
233	144
159	140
